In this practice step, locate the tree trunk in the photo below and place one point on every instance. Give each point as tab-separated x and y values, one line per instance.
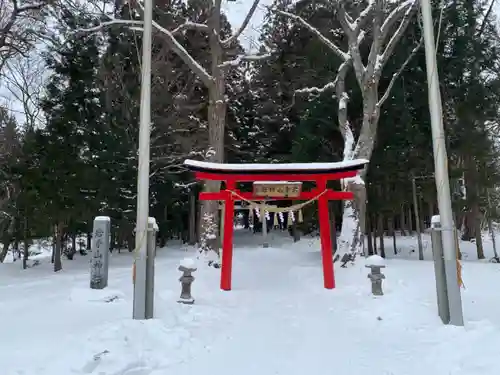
403	220
112	242
216	124
392	232
369	235
422	217
473	218
477	224
26	243
5	249
17	232
71	253
130	242
410	220
58	235
192	218
431	211
7	239
380	225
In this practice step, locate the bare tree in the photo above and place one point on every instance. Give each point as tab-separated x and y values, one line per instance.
214	78
24	79
385	23
9	152
21	26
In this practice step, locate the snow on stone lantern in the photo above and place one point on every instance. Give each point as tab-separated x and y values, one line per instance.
375	263
187	267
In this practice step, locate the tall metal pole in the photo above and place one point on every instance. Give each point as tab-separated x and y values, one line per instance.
441	168
140	264
417	219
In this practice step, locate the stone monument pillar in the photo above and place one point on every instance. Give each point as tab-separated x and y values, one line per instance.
99	263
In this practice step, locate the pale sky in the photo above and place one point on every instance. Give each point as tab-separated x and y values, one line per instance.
237	10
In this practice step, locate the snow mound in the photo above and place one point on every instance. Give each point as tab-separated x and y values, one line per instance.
83	295
375	260
134	347
436	219
187	263
152	222
102	218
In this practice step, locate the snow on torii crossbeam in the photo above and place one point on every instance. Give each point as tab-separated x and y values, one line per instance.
320	173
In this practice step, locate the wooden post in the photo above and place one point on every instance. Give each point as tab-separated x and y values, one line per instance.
326	238
227	242
264	224
222	208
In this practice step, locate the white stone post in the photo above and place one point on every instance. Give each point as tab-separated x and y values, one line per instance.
99	263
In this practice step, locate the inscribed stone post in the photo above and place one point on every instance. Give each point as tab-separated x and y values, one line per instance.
99	263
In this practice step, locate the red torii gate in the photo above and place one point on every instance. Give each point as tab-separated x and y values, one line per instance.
320	173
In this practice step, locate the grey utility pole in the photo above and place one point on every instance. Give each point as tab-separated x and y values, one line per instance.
441	168
140	265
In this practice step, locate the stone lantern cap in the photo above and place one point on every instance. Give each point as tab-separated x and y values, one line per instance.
375	261
187	264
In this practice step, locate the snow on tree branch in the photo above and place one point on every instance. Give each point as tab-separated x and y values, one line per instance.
341	71
410	7
364	17
317	90
227	42
396	75
343	55
111	23
188	25
395	15
20	27
185	56
352	33
178	48
241	58
169	38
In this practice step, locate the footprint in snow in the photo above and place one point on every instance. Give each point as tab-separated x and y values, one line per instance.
135	368
90	366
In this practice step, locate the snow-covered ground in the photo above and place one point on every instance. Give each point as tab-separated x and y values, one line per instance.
278	319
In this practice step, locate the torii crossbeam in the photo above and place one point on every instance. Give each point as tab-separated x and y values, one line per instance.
320	173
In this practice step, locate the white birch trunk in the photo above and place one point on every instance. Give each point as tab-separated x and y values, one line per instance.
372	21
